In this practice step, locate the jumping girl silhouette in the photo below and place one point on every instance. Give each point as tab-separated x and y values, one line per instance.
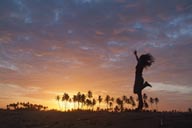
143	61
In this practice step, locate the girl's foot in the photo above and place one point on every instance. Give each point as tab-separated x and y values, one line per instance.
137	110
147	84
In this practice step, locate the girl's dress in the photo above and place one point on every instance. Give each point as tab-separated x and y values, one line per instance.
138	78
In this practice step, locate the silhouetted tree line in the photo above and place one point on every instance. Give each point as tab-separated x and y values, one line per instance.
26	106
82	101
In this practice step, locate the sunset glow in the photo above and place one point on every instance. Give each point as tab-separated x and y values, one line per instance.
48	47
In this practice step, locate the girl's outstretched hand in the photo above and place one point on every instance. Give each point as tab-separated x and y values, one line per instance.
135	52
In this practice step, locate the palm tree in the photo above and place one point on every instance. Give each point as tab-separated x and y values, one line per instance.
100	100
128	101
18	105
83	97
14	105
21	105
156	102
62	101
145	97
8	107
93	104
78	98
145	101
38	107
151	100
107	100
112	99
120	103
88	103
124	99
26	106
132	101
111	105
116	109
58	99
89	94
145	104
45	107
70	100
65	98
74	100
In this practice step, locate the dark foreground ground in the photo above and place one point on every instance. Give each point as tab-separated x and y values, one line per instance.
51	119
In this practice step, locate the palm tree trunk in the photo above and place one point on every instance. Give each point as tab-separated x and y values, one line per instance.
156	107
65	105
59	105
151	107
78	105
74	105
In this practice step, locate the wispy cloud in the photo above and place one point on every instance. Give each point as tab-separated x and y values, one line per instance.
13	91
172	88
7	65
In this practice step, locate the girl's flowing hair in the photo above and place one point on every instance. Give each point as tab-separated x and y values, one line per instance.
146	60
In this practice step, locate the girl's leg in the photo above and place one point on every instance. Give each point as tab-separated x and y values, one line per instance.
140	105
146	84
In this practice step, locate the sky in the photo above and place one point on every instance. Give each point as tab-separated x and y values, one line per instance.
48	47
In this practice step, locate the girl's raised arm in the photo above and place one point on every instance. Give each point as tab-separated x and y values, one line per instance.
135	52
